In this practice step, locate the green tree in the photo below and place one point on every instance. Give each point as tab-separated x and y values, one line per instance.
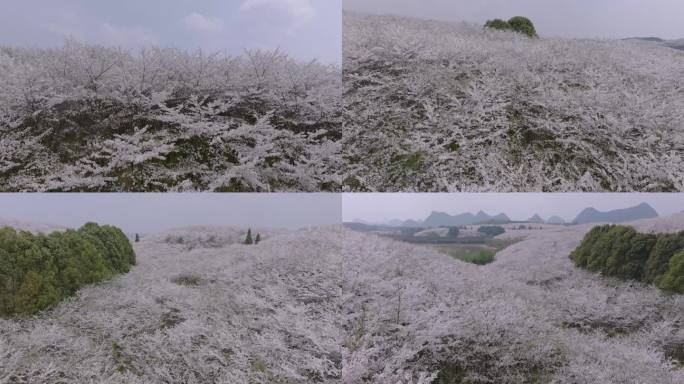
257	239
673	279
499	24
523	25
10	271
658	261
248	239
621	251
113	244
583	254
36	271
36	293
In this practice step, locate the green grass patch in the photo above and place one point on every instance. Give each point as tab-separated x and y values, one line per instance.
412	162
259	366
480	254
482	257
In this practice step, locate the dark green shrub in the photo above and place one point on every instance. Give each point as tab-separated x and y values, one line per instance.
658	261
113	244
582	255
621	251
523	25
491	230
480	258
629	253
37	271
499	24
518	24
673	279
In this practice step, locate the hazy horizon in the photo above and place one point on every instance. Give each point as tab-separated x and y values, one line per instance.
382	207
302	28
156	212
576	19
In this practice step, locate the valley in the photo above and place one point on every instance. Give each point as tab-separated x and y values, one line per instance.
417	315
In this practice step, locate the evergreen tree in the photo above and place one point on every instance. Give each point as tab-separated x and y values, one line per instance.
522	25
658	261
673	279
37	271
621	251
518	24
248	239
257	239
498	24
137	238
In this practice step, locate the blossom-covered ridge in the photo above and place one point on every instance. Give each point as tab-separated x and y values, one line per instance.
92	118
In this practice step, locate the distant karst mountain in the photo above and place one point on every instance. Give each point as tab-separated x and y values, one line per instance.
536	219
555	220
442	219
591	215
674	44
395	223
411	224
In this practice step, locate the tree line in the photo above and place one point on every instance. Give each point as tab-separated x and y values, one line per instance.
37	271
491	230
621	251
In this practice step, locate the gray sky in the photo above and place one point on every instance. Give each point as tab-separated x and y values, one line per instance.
567	18
307	29
381	207
152	212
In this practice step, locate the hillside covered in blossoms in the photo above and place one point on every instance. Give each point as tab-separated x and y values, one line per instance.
437	106
200	306
92	118
416	315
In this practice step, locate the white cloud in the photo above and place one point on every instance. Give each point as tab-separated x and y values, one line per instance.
126	36
200	23
300	10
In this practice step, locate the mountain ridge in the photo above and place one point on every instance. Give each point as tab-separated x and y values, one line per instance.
673	43
592	215
587	215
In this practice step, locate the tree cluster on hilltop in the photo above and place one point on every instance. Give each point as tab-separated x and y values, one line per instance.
39	270
621	251
518	24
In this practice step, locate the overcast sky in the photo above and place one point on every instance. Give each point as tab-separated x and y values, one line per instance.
566	18
382	207
307	29
152	212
